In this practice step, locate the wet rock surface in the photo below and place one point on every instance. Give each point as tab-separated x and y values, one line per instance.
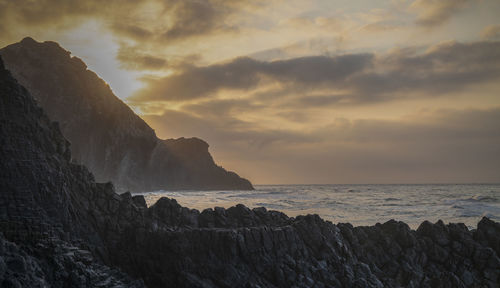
62	229
105	134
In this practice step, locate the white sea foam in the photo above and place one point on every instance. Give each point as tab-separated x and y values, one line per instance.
357	204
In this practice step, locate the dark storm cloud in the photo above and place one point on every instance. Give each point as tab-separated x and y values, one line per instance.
367	78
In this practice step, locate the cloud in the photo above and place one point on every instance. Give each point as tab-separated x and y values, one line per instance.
246	73
443	68
351	78
198	18
328	23
439	145
220	107
132	31
152	20
311	46
159	31
43	12
432	13
289	116
491	32
381	26
224	128
200	81
132	59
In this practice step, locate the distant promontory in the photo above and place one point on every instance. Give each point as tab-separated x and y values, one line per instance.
105	134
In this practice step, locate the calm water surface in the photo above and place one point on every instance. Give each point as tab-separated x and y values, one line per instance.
358	204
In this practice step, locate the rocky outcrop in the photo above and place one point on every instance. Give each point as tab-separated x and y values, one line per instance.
105	134
240	247
56	264
62	229
46	203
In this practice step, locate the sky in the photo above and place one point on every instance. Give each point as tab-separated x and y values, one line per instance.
288	92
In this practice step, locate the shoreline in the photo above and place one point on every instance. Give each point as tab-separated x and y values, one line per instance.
359	205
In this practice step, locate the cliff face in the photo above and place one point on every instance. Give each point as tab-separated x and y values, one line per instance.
48	206
105	134
61	229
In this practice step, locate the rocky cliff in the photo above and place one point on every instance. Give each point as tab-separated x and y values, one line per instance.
62	229
105	134
47	204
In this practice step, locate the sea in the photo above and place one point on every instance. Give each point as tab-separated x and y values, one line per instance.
359	205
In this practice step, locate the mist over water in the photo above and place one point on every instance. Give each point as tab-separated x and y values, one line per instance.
358	204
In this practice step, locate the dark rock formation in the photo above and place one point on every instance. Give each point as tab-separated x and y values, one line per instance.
47	204
105	134
61	229
56	264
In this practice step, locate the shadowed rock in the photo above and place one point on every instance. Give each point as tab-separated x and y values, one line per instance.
105	134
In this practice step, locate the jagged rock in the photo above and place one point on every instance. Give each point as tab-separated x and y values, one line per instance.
139	201
107	136
487	233
56	264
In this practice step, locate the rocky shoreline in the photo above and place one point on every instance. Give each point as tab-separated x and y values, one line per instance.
62	229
